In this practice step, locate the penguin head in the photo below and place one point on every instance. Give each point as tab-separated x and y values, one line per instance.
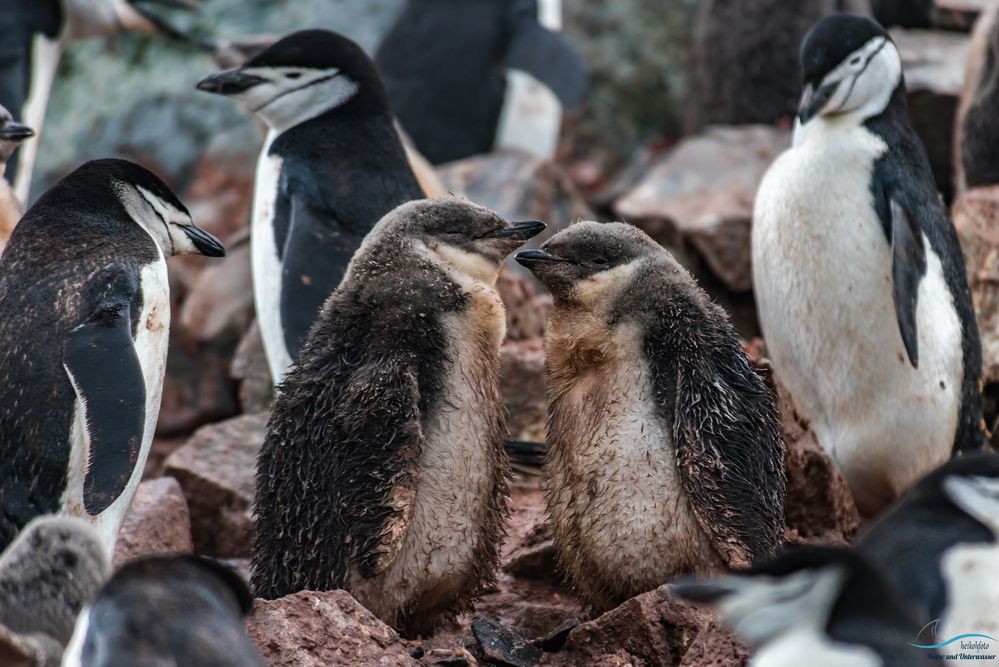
11	135
802	589
850	67
99	184
592	262
300	77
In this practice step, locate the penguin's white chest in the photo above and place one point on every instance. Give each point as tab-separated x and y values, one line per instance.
972	590
266	262
822	277
809	647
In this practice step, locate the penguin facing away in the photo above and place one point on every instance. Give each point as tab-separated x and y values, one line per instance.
936	545
332	165
820	606
859	277
383	470
36	33
665	451
166	610
84	321
11	136
469	76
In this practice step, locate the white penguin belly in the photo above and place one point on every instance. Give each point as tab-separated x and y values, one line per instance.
972	591
266	262
531	117
822	276
457	473
809	647
151	340
614	494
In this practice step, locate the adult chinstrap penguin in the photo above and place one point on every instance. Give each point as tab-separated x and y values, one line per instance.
859	277
166	610
666	456
383	470
11	136
822	606
469	76
84	321
332	165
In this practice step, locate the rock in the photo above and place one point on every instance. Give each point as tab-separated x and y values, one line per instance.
157	523
976	217
528	551
702	191
650	629
525	312
250	370
523	385
502	646
957	14
331	629
27	651
216	469
934	65
219	307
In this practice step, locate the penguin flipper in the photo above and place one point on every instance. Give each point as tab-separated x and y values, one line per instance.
100	359
908	266
730	457
547	57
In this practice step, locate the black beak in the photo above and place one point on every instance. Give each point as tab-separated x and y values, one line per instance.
15	132
703	591
229	82
532	258
204	242
517	231
813	101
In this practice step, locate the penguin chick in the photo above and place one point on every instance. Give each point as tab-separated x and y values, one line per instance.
84	324
173	610
819	606
859	277
332	165
11	136
383	470
938	543
47	575
666	454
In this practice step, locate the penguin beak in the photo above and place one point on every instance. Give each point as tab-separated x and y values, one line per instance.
518	231
533	258
705	591
813	101
205	243
229	82
15	132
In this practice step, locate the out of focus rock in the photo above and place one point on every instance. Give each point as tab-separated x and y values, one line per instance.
957	14
216	469
934	64
331	629
250	370
502	646
157	523
528	551
27	651
523	386
650	629
976	216
219	307
702	192
525	313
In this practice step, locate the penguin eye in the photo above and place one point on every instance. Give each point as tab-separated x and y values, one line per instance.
293	75
600	261
855	60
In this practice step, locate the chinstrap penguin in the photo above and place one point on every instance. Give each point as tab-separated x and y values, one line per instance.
383	470
469	76
166	610
47	575
84	321
816	606
939	546
35	34
858	274
332	165
665	450
11	136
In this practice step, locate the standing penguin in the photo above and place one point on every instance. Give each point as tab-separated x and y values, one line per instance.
84	317
976	144
11	136
35	34
166	610
819	606
939	547
666	454
859	278
468	76
332	165
383	470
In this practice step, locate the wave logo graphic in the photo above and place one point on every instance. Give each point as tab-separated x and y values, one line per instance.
932	627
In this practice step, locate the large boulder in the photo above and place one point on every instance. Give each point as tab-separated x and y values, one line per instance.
157	523
249	369
976	216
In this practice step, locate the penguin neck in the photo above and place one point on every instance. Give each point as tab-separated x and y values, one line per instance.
893	112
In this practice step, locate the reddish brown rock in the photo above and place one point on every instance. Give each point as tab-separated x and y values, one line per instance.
216	469
250	370
20	651
523	386
702	191
329	629
976	216
528	551
157	522
525	312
